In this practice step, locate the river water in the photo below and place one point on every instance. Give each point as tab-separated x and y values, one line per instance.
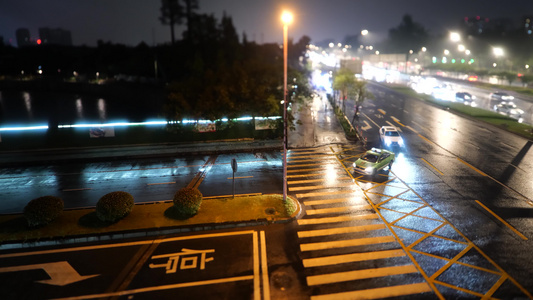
24	107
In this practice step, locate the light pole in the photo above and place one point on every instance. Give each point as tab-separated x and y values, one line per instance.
286	18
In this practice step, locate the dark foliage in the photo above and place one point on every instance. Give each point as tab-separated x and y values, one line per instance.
43	210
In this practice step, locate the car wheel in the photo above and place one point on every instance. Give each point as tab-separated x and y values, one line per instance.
390	167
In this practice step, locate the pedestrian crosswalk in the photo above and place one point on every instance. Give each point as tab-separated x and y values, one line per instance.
347	251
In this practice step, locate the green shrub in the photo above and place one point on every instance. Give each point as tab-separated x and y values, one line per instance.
187	201
114	206
43	210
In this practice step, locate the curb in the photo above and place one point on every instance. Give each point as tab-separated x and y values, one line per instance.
140	233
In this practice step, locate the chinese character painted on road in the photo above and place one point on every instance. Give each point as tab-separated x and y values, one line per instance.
186	259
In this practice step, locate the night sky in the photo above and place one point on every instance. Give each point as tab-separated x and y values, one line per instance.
130	22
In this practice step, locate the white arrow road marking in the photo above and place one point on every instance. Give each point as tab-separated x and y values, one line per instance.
366	127
61	273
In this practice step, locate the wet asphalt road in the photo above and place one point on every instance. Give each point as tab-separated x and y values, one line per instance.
473	178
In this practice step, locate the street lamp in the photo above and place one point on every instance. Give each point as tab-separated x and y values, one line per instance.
286	18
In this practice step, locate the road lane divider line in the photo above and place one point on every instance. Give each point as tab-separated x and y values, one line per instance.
347	243
503	221
360	274
472	167
197	180
340	230
382	111
159	183
427	140
371	120
379	293
264	266
352	257
240	177
397	121
434	168
336	219
412	129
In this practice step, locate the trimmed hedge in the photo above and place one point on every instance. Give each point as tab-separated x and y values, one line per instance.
187	201
114	206
43	210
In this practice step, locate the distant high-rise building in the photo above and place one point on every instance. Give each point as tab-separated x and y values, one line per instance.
57	36
23	37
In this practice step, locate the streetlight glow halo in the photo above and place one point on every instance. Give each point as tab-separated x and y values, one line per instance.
286	17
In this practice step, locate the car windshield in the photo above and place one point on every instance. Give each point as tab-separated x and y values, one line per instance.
370	157
392	133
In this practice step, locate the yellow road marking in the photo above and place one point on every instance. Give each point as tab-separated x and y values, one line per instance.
397	121
170	182
360	274
472	167
257	286
241	177
339	230
163	287
264	267
503	221
347	243
352	257
336	219
379	293
432	166
382	111
337	209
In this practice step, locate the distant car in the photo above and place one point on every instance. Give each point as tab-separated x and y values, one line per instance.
465	98
443	92
509	109
374	161
390	136
500	96
472	78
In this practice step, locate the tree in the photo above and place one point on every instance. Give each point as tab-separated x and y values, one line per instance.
345	83
171	13
190	6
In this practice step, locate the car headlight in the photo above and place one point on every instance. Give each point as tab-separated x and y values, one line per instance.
400	142
369	170
387	142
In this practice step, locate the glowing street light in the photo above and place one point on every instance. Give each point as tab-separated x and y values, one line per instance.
364	32
455	37
286	18
497	51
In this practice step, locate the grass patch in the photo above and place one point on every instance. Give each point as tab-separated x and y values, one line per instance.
150	216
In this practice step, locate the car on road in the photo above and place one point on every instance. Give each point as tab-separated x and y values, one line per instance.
390	137
374	161
465	98
500	96
509	109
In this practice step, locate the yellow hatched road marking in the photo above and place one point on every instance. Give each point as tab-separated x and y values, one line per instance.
337	219
353	257
347	243
378	293
339	230
337	209
382	111
360	274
